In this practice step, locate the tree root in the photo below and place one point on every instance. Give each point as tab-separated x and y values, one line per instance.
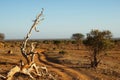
28	70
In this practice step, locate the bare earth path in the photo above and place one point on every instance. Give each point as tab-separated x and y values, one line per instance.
65	72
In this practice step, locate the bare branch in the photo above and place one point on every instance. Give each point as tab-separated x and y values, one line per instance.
32	47
23	47
32	54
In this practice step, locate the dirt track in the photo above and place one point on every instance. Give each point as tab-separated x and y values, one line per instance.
65	72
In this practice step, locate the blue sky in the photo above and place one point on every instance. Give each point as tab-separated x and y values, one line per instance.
62	17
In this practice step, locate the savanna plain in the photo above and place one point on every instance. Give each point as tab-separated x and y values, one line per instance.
63	60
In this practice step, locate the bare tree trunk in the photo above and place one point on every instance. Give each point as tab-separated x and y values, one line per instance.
95	61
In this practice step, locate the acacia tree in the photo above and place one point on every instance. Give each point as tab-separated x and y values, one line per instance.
78	37
98	41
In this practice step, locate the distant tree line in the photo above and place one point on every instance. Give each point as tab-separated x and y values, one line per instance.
96	41
2	36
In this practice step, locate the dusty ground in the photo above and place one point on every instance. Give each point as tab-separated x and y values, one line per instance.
63	61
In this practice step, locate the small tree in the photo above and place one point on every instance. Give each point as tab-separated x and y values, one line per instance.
2	36
78	37
98	41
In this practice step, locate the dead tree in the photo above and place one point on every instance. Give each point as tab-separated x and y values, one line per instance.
30	66
23	47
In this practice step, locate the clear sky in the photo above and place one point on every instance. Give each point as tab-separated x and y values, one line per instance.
62	17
